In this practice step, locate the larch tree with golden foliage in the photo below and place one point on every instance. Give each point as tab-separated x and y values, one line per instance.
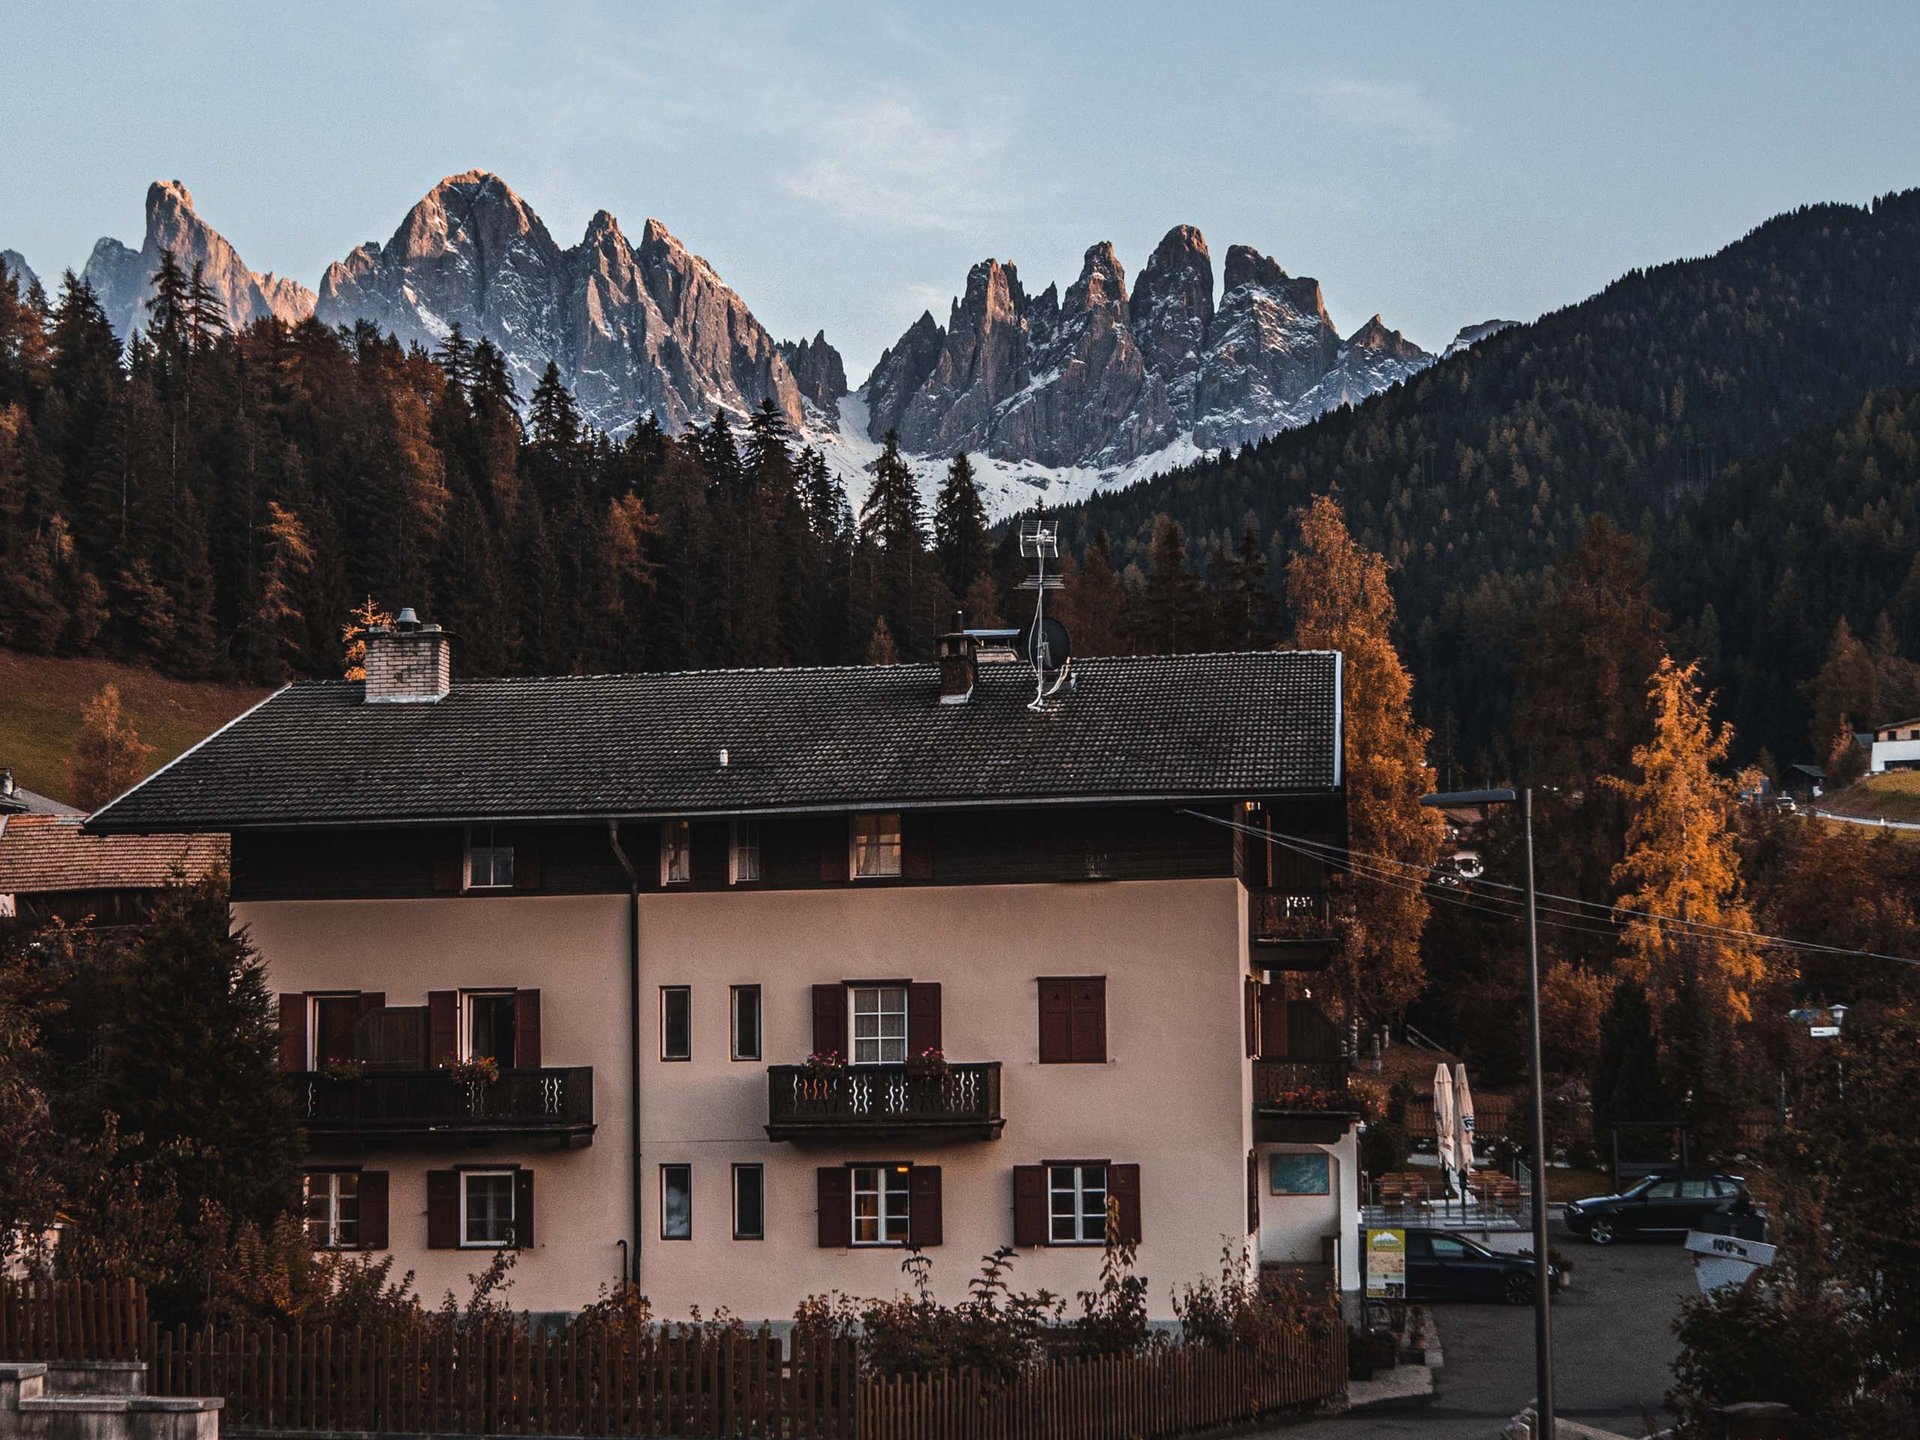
109	756
365	616
1339	597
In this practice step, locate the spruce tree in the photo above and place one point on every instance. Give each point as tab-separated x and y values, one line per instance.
960	540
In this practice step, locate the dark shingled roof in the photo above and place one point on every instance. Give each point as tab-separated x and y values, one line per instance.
1133	727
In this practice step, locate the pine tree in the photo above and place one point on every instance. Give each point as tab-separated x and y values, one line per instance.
1092	602
109	756
894	545
278	627
1170	617
1847	685
1339	598
960	540
880	648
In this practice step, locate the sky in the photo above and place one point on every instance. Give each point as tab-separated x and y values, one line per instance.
842	165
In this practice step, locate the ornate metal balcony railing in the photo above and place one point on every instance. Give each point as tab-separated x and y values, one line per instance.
956	1102
556	1102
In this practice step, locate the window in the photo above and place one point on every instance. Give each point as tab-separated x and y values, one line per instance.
676	853
1699	1190
333	1209
1299	1174
489	858
1665	1190
676	1022
676	1202
1445	1247
876	845
1076	1204
879	1025
334	1017
486	1208
743	853
749	1202
1073	1020
880	1205
490	1026
745	1005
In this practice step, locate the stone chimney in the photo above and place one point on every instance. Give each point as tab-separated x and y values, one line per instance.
408	662
957	667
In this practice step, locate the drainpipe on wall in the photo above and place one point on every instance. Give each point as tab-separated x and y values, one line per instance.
633	1042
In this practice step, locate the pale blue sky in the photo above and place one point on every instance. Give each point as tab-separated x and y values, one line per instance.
842	165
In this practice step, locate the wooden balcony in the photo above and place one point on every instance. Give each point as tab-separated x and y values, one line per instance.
1290	930
383	1105
884	1102
1302	1101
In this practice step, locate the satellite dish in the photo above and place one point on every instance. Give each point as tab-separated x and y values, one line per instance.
1058	646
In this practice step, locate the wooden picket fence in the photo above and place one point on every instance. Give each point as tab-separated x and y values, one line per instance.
591	1381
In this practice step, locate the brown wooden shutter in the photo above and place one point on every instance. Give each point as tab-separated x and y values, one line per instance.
1276	1024
1056	1023
526	1029
1090	1020
1250	1017
373	1210
923	1206
293	1033
916	848
923	1017
835	841
443	1209
372	1000
523	1209
1029	1204
443	1027
1123	1184
830	1020
836	1207
1253	1192
710	841
526	861
449	859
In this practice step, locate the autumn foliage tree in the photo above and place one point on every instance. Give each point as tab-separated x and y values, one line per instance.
109	756
1339	598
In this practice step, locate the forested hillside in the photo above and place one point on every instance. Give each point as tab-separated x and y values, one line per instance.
1638	403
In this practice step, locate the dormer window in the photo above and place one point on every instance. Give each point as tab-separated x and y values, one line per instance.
876	845
676	853
489	858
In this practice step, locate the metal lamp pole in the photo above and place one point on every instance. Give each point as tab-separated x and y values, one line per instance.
1543	1428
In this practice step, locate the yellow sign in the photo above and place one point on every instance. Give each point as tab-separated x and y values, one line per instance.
1387	1264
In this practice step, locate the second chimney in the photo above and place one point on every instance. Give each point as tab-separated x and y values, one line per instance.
408	662
957	669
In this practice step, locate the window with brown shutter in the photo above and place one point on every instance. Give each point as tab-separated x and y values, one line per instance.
1073	1020
835	1194
443	1027
523	1210
1123	1184
923	1206
293	1033
373	1210
923	1018
916	848
1250	1014
526	1029
1029	1204
830	1020
1253	1192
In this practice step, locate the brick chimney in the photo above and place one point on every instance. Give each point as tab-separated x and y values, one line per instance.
407	662
957	667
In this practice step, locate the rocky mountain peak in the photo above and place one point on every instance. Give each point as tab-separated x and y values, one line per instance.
1247	266
1171	310
1102	283
902	369
818	371
21	273
1375	336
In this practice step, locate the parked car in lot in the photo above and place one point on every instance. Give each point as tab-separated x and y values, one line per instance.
1668	1204
1445	1266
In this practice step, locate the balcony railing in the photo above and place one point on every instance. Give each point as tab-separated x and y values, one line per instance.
961	1102
555	1103
1290	930
1304	1100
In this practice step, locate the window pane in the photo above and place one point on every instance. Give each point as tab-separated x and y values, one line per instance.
490	1024
676	1202
676	1022
676	858
489	1204
749	1202
896	1207
334	1017
876	845
866	1207
489	858
879	1025
319	1210
1447	1249
746	1022
746	851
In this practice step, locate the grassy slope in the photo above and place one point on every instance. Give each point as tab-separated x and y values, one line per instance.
1892	795
40	701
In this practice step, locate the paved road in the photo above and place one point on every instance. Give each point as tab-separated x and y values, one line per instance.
1613	1346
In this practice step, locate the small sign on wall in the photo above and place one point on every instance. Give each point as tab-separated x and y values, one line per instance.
1387	1264
1300	1174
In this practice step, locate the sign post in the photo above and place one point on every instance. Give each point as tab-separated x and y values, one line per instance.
1386	1264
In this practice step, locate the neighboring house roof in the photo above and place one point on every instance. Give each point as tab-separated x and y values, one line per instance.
1129	728
1897	725
16	799
49	853
1812	772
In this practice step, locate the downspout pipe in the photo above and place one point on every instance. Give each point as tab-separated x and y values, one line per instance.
634	1180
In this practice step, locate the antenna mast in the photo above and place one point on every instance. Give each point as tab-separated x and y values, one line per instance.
1041	543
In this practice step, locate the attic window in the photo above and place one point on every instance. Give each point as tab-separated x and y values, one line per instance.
489	858
876	845
676	853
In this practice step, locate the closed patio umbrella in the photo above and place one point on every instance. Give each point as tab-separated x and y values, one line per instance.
1446	1130
1462	1118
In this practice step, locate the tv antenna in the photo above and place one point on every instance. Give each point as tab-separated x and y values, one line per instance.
1045	643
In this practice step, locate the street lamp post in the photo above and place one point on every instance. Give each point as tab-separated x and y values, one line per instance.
1543	1428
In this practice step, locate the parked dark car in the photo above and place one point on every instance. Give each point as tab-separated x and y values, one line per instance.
1667	1204
1444	1266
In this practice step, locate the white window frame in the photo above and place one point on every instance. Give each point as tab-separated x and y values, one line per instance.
333	1223
687	1170
881	1014
467	1177
873	845
686	990
743	853
1079	1189
893	1204
467	997
676	853
760	1169
492	852
735	994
